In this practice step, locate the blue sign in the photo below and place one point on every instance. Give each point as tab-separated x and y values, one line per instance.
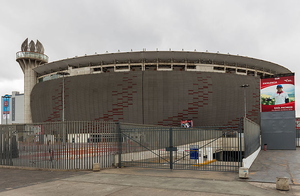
194	152
6	104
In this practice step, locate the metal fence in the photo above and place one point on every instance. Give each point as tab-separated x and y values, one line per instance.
251	136
69	145
78	145
209	148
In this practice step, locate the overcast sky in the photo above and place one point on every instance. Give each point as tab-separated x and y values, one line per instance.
263	29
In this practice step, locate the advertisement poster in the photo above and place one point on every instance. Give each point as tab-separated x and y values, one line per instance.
297	123
277	94
6	106
187	123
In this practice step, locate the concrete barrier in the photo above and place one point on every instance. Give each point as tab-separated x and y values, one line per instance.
243	172
282	183
96	166
247	162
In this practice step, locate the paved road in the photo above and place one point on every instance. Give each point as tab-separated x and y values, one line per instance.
130	181
18	178
136	181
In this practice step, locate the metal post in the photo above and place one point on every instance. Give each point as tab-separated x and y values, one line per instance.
240	140
159	156
244	86
119	144
245	99
63	110
171	146
240	146
63	104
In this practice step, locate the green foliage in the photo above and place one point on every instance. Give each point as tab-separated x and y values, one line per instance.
265	101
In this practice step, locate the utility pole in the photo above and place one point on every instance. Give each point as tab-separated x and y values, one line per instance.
244	86
63	103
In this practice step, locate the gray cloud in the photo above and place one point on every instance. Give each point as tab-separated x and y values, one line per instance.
267	30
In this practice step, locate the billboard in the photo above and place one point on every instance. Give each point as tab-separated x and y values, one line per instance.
277	94
6	106
297	123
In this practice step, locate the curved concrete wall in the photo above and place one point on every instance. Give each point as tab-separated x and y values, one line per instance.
148	97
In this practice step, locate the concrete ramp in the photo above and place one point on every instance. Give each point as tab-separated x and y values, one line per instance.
276	163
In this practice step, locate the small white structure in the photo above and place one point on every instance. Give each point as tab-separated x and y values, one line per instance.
282	183
244	172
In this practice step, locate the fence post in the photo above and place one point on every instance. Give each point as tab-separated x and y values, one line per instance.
241	126
119	144
171	146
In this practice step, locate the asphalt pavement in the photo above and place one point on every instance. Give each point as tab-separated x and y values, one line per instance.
145	181
271	164
130	181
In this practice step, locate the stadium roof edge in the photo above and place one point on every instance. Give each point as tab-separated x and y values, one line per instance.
86	60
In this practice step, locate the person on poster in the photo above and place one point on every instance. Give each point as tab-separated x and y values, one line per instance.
280	96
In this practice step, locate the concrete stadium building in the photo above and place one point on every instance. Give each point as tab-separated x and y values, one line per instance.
145	87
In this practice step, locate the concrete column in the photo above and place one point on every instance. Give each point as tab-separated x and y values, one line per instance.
29	82
30	78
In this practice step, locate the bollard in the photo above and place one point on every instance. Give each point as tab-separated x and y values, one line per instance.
209	153
244	172
96	167
265	147
200	156
282	183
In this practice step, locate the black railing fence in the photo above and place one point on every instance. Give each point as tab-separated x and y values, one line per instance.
79	145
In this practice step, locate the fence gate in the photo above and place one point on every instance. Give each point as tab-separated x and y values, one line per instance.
210	148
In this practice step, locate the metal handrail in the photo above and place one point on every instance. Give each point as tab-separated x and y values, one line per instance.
32	55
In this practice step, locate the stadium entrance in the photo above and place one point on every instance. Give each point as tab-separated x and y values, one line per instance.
209	148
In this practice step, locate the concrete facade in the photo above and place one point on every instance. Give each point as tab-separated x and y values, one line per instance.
146	87
148	97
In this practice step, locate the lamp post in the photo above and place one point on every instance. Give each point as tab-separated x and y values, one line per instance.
245	98
244	86
63	103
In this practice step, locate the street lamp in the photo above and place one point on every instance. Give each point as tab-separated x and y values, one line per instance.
244	86
63	103
245	99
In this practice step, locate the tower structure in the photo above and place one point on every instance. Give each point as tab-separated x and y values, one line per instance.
31	56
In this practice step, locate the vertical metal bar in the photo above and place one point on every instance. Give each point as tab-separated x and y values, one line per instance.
66	144
171	146
245	103
119	144
83	153
240	141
